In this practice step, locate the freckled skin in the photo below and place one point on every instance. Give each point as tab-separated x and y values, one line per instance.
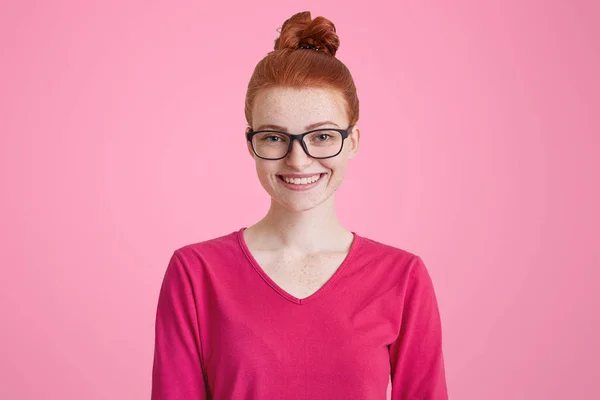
298	273
295	109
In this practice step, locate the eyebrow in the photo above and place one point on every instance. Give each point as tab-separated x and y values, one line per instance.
284	129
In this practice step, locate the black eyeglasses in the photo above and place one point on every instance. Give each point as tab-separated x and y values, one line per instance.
318	143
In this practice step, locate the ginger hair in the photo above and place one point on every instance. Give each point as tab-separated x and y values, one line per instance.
304	57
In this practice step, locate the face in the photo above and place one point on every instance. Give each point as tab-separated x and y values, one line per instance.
297	111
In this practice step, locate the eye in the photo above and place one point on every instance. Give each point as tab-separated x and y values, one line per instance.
323	137
270	138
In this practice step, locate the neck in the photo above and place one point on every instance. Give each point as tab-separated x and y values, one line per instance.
308	231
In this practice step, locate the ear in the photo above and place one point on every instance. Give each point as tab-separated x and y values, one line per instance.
248	144
353	139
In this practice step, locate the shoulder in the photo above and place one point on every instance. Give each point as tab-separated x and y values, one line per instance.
384	248
210	251
224	241
394	259
384	251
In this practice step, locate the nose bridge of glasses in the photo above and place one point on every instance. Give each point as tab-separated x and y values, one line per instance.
297	142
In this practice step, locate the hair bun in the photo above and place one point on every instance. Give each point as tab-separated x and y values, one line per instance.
302	32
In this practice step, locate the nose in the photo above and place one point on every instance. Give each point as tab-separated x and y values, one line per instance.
297	157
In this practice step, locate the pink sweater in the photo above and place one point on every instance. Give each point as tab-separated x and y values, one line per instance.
225	330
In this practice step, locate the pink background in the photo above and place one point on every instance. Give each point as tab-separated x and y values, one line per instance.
479	152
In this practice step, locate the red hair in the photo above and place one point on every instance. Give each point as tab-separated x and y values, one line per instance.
304	57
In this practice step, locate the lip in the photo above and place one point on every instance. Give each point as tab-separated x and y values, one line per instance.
301	175
299	188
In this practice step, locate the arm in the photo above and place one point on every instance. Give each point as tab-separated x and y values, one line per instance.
177	372
417	364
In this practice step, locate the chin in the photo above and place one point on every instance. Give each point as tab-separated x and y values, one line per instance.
298	206
297	202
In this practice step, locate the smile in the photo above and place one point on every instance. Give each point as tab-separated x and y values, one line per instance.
301	181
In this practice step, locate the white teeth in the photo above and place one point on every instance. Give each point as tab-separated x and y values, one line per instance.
302	181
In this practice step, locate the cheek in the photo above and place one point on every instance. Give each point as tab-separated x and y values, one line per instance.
265	170
336	165
338	173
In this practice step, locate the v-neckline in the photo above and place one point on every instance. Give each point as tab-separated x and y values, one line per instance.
300	301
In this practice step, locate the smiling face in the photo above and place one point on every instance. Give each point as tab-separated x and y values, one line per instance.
299	182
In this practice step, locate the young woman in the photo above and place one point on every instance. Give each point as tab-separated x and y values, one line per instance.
297	306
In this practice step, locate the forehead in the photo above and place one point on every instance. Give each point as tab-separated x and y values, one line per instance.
297	108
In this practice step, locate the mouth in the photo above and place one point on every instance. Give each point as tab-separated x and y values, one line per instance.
304	182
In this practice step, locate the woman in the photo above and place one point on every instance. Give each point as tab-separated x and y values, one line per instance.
297	306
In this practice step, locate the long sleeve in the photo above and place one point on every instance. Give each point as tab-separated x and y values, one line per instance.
416	359
177	372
